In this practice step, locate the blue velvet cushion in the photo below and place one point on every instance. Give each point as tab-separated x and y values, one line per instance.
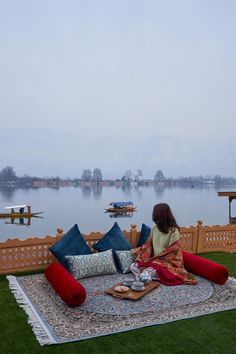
144	234
113	239
72	243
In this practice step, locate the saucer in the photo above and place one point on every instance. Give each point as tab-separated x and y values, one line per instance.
141	288
138	284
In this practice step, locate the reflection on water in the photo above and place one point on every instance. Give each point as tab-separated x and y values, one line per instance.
7	193
19	221
127	190
126	214
159	189
97	191
23	221
86	192
138	191
94	190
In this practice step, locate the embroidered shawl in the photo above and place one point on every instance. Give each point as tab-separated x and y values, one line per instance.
168	265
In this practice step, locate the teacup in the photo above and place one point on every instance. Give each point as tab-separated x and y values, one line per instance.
138	285
128	281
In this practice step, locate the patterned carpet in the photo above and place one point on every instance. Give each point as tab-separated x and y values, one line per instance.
54	322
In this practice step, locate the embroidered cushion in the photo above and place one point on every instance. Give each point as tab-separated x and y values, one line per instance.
90	265
113	239
124	260
66	286
144	234
72	243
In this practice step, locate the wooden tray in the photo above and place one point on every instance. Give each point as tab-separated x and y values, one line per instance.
132	294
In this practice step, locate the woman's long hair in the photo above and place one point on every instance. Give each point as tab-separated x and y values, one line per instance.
163	218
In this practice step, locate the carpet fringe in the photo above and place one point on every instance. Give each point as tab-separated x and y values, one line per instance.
42	334
232	279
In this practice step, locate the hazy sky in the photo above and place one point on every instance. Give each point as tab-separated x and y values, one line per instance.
118	84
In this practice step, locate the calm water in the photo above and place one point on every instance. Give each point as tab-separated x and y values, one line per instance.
66	206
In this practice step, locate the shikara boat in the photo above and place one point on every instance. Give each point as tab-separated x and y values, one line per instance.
120	207
20	212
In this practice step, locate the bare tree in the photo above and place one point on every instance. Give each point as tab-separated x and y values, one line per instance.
127	177
138	175
8	174
159	176
86	175
97	175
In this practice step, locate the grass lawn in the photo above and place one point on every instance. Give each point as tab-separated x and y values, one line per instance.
214	333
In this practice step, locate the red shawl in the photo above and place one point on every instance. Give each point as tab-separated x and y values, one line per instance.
169	264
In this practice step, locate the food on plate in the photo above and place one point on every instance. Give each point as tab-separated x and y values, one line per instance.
121	288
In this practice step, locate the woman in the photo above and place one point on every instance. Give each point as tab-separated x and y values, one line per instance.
165	230
162	251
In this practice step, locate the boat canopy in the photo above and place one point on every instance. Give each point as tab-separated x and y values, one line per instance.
121	204
17	206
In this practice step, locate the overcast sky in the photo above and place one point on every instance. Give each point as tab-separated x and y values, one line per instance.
118	84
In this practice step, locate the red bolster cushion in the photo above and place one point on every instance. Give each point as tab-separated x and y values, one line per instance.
205	268
66	286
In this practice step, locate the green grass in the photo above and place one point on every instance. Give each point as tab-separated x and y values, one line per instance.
214	333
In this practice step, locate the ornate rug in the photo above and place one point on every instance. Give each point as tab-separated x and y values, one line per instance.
53	322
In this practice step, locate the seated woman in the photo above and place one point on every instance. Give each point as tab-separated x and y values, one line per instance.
162	251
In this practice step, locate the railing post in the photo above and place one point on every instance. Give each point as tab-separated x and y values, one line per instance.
133	235
200	241
59	234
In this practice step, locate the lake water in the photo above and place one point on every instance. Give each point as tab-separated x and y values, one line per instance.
69	205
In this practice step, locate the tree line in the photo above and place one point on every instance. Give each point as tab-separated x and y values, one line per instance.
7	174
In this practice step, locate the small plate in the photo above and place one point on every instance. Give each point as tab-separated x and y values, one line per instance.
137	289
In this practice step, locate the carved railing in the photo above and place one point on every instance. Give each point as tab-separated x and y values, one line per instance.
188	238
32	253
29	254
216	238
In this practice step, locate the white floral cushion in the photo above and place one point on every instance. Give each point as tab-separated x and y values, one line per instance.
89	265
125	259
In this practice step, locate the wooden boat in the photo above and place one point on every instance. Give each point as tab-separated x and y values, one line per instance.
20	213
121	207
